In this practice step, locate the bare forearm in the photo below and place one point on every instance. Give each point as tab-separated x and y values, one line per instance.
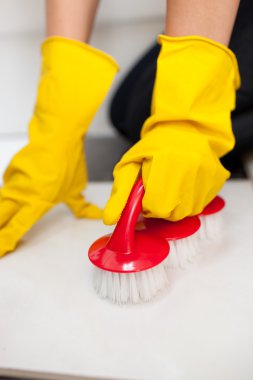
207	18
70	19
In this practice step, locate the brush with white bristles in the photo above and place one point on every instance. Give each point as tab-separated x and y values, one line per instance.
211	219
182	236
130	266
134	288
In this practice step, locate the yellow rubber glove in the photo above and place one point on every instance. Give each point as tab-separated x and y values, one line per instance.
188	131
51	168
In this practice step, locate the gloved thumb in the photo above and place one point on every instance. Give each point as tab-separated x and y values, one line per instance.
125	175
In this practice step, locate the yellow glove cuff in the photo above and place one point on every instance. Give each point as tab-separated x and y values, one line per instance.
196	39
61	45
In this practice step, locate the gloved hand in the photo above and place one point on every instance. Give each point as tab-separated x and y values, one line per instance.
51	168
188	131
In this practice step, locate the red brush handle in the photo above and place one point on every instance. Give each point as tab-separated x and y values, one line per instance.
122	239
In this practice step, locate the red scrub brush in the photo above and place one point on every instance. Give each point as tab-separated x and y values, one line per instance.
211	219
129	264
182	236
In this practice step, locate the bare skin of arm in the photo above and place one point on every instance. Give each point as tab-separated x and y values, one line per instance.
70	18
212	19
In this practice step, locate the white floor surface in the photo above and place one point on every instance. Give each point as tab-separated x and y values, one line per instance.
202	328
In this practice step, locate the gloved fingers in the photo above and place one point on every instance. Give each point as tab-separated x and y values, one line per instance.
83	209
18	225
209	179
184	208
7	209
125	175
203	169
164	186
220	176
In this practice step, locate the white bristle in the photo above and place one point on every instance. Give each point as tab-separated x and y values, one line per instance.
211	226
136	287
182	251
